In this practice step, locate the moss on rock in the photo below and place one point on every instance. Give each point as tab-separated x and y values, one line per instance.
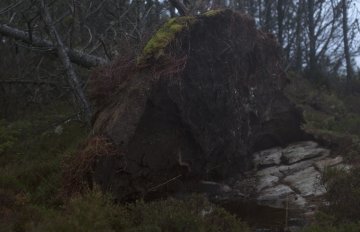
211	13
155	48
166	34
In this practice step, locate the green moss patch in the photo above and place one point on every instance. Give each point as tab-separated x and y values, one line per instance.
156	46
211	13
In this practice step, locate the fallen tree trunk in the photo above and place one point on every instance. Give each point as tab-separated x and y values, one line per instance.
77	57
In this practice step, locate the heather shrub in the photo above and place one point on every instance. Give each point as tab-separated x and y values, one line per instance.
96	212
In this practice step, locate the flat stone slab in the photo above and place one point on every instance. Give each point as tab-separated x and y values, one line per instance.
329	162
291	176
302	151
269	157
307	182
287	170
271	171
275	196
280	196
303	144
266	182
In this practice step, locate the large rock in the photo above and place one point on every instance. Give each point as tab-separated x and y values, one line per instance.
268	157
280	196
296	180
287	170
302	151
206	93
271	171
266	182
307	182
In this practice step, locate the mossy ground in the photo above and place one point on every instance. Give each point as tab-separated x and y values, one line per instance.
30	164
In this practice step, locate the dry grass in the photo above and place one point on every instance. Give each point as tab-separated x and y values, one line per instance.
78	170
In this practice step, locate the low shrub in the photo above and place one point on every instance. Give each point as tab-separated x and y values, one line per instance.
96	212
7	137
343	194
33	164
341	211
339	228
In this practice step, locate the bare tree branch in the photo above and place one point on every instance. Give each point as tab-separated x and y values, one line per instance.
63	55
75	56
33	82
2	11
180	6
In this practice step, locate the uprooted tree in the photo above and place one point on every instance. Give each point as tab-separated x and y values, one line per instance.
205	93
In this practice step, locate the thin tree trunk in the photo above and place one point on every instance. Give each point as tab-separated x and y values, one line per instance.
240	5
77	26
232	4
268	17
345	27
259	13
280	21
298	39
63	55
180	6
312	36
252	8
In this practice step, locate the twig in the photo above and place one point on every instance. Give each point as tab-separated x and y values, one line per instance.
11	7
29	82
287	213
165	183
105	49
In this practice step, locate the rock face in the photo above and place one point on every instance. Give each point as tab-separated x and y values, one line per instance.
206	93
296	180
296	187
268	157
302	151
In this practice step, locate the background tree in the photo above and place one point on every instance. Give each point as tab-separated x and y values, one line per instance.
317	36
345	28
